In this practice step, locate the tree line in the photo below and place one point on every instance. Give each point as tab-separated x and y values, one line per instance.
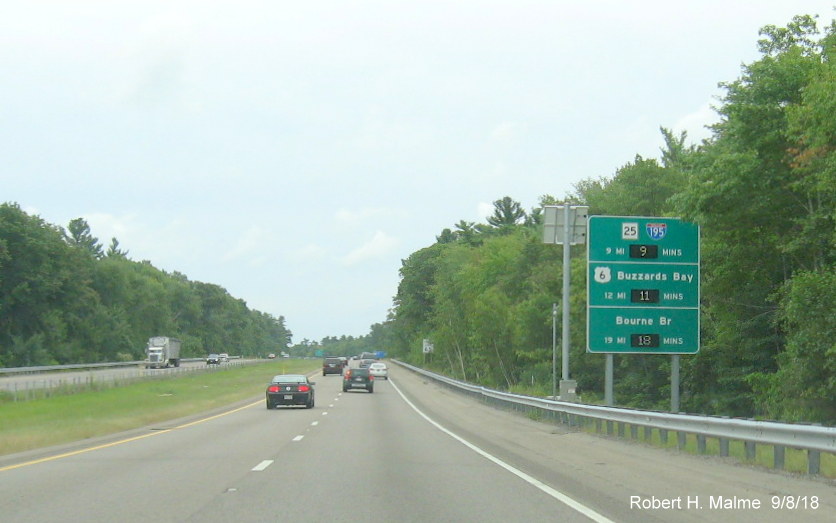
66	299
762	189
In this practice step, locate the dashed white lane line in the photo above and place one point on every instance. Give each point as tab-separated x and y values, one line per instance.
263	465
314	424
298	438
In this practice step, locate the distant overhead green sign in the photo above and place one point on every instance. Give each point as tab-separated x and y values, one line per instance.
643	285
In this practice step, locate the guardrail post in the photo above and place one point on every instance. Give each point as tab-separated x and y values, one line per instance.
724	443
634	432
700	443
663	436
778	457
620	429
609	428
648	433
680	440
597	426
813	462
751	452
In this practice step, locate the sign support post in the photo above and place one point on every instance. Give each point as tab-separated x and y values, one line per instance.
565	224
675	383
554	351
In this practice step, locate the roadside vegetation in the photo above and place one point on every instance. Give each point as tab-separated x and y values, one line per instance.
65	299
763	191
27	425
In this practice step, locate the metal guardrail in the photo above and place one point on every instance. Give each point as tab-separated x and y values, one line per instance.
814	439
48	381
79	366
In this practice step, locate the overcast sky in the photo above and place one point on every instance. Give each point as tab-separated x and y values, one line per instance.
294	152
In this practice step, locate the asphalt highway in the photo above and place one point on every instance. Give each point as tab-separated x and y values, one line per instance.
411	451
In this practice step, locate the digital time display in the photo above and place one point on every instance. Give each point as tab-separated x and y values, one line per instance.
644	341
644	251
644	295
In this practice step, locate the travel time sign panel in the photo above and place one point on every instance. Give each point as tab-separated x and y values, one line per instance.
643	285
654	240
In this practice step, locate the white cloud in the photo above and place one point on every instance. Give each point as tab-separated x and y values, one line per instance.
308	253
105	226
253	240
356	217
483	210
508	131
695	123
379	245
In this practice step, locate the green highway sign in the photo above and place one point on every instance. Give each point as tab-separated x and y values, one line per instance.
633	239
640	284
643	285
654	331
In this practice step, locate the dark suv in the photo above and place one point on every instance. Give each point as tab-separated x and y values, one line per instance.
332	366
358	379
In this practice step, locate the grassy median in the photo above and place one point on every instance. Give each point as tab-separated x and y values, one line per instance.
38	423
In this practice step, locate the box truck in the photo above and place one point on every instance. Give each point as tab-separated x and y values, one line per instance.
162	352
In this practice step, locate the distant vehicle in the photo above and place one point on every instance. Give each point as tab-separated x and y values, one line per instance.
271	356
344	360
290	389
379	370
368	356
213	359
358	379
332	366
162	351
285	355
364	364
224	357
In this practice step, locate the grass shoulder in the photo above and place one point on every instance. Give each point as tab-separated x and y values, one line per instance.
29	425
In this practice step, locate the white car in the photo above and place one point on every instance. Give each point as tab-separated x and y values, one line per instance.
379	370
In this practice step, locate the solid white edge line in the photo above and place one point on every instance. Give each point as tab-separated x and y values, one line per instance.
563	498
263	465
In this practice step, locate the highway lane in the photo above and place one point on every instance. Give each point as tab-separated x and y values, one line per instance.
372	456
354	456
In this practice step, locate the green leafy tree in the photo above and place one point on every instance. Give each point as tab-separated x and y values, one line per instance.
81	237
60	302
506	213
113	251
757	192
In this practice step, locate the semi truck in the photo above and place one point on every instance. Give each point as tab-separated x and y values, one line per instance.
162	352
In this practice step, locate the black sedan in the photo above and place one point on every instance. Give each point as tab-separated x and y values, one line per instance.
290	389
